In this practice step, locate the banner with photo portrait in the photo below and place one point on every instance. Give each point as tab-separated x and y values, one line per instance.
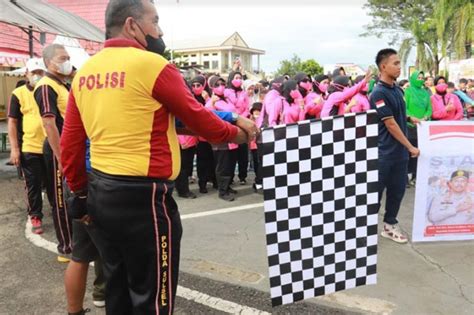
444	201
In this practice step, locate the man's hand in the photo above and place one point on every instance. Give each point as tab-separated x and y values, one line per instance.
77	206
241	137
86	219
15	157
248	126
414	152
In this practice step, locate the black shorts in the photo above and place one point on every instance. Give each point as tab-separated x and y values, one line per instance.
83	249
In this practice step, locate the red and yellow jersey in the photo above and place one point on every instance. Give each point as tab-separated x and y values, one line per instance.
124	99
23	107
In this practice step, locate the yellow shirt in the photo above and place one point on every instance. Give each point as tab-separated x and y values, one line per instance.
23	106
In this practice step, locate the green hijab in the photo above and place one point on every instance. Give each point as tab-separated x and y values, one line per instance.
417	98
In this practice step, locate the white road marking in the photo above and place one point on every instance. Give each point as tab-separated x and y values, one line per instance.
221	211
192	295
216	303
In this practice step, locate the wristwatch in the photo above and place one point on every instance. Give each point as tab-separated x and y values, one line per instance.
235	116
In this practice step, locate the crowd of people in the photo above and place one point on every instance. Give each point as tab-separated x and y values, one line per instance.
103	142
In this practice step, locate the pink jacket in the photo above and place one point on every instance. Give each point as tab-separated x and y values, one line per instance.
310	107
439	109
187	142
361	103
223	106
339	99
240	100
271	110
293	113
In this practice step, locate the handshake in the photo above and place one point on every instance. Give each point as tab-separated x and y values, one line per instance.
248	130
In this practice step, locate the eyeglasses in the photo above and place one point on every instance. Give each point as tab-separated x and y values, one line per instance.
197	85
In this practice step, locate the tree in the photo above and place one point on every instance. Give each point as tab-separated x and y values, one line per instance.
295	65
435	28
311	67
290	67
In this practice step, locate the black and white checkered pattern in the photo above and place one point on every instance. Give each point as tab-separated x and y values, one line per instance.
320	189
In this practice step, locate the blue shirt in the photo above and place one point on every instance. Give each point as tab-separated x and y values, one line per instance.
388	101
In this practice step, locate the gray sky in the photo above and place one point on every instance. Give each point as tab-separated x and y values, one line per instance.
327	31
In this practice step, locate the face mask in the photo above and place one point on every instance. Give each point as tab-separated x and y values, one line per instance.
306	85
323	87
419	83
198	90
255	116
441	88
34	79
237	83
219	90
295	94
64	68
154	45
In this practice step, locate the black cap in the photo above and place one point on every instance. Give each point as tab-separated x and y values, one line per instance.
460	173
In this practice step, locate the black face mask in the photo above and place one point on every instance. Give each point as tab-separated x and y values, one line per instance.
155	45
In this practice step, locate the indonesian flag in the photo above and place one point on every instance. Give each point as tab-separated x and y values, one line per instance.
380	104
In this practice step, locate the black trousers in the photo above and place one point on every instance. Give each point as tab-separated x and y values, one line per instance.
187	159
137	229
225	168
55	191
206	166
393	179
256	166
243	160
33	169
413	162
258	169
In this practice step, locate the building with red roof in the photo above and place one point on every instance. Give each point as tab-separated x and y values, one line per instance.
14	41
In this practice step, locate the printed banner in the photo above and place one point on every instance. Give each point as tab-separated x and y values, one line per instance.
444	202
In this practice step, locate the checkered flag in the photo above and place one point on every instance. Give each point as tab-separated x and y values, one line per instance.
321	196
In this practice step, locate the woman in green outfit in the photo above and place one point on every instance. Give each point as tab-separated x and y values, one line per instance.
419	108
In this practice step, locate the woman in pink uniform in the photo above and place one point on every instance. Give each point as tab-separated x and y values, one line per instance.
446	106
272	109
237	96
317	97
293	103
340	94
360	102
225	153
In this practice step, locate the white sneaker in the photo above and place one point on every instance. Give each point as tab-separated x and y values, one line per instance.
394	233
99	304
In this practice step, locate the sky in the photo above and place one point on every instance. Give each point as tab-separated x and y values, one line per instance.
327	31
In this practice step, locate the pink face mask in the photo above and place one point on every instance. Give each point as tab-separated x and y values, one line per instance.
441	88
306	85
219	90
323	87
295	94
198	90
237	83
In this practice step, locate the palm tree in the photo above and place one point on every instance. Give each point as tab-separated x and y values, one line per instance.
424	39
463	28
